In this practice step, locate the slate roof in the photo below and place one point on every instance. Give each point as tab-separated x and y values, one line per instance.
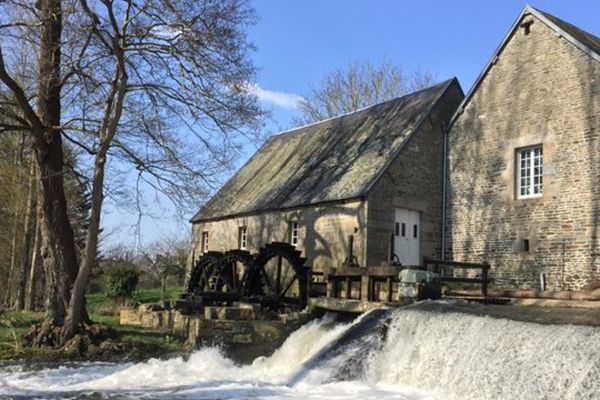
333	160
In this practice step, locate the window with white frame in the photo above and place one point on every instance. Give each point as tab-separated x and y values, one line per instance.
205	242
530	172
243	238
294	228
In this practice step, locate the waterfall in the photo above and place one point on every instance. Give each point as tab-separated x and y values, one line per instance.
410	353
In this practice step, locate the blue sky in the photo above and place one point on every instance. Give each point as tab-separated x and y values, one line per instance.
298	42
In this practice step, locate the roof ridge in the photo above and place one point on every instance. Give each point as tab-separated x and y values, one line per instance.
366	108
553	23
581	38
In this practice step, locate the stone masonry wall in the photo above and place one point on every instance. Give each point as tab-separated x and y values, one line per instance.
413	181
541	90
323	232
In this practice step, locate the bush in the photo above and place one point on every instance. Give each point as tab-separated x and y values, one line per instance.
121	280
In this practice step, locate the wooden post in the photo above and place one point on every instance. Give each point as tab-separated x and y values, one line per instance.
390	287
484	276
348	288
391	259
278	283
365	287
350	248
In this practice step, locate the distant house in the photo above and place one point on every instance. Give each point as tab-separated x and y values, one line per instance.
375	175
524	159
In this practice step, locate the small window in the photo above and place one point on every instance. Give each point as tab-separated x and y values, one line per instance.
397	229
403	229
243	238
205	242
526	245
415	231
530	166
294	234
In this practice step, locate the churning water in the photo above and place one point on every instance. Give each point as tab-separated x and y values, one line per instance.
404	354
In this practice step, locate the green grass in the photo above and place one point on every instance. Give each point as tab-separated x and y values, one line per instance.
13	325
153	295
102	309
98	302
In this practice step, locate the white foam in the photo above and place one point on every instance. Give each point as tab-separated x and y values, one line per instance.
424	355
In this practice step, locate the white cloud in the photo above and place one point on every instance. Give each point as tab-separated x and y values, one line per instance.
281	99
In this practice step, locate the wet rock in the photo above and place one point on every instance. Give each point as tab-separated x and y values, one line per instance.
109	345
77	346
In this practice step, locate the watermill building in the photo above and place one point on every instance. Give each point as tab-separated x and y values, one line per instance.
506	175
361	177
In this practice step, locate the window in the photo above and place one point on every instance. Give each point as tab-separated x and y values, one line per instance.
294	233
397	229
243	238
530	166
403	229
205	242
526	245
415	231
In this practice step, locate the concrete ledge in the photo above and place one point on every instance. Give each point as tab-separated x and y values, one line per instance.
556	303
343	305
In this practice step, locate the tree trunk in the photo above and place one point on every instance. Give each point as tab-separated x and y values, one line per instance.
26	244
13	260
76	313
32	282
58	248
163	288
8	300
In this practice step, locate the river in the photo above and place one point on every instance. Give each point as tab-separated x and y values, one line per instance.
408	353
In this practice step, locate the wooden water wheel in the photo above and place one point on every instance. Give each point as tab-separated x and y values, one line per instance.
203	271
277	284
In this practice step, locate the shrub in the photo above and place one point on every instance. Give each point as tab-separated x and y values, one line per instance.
121	280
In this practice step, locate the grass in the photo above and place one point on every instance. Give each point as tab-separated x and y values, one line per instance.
101	308
98	303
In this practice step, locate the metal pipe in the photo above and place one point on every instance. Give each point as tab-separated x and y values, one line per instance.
444	190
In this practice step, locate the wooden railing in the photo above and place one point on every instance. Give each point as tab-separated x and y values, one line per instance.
440	266
362	283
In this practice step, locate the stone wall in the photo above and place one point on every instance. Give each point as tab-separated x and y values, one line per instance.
540	90
323	232
242	339
413	181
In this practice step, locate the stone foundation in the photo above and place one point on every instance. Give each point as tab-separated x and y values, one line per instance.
241	331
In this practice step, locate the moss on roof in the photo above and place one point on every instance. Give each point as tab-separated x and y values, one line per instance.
332	160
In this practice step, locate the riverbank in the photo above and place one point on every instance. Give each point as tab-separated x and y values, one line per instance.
423	351
134	343
123	343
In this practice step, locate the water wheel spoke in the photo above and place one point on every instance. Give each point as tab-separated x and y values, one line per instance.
288	287
267	280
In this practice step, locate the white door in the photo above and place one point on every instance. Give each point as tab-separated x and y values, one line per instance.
407	236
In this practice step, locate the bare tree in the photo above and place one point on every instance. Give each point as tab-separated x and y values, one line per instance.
161	85
357	86
164	258
39	115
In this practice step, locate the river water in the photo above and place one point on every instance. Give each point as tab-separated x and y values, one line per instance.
408	354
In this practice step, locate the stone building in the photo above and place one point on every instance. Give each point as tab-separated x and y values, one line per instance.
370	174
524	159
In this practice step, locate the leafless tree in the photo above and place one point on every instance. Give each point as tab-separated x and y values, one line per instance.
166	257
161	85
357	86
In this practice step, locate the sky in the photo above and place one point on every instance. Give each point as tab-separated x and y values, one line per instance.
299	42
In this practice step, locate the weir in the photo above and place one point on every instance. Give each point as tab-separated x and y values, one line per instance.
430	350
